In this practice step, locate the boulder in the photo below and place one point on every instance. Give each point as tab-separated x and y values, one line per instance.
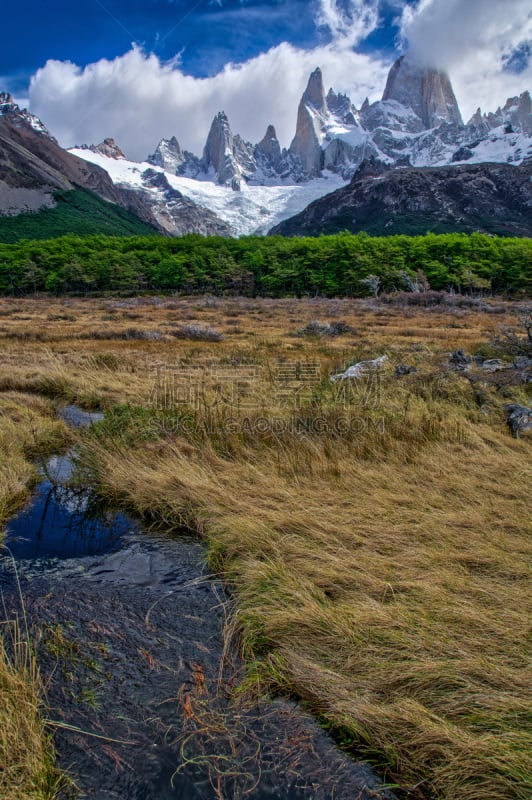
519	418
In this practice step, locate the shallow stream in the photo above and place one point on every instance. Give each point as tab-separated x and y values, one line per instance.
128	628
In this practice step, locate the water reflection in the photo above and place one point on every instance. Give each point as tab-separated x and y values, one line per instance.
62	522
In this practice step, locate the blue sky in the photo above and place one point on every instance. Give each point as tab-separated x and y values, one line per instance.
205	34
138	70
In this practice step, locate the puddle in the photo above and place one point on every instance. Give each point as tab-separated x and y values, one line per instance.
77	418
62	523
128	625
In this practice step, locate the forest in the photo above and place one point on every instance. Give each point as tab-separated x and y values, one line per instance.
342	265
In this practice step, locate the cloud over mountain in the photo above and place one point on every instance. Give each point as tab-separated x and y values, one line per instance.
475	41
136	98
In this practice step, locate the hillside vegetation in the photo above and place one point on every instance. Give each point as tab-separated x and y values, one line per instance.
330	265
79	212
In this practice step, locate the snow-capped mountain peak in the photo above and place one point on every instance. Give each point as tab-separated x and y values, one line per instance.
251	187
21	116
426	91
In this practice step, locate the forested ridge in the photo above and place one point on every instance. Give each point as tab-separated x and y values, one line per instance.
78	212
338	265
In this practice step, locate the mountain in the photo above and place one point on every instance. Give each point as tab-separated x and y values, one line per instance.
235	187
227	158
383	200
428	92
417	121
175	213
34	169
254	187
107	148
75	211
37	174
253	209
312	118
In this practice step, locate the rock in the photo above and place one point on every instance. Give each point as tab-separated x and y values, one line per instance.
404	369
314	94
361	369
340	105
515	115
459	360
312	117
523	362
107	148
218	153
519	418
462	154
174	213
494	365
269	149
21	117
168	155
428	92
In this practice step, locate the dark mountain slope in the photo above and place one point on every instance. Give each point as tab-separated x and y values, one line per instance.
491	198
33	167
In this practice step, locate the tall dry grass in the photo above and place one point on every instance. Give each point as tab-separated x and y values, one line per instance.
28	430
27	770
381	576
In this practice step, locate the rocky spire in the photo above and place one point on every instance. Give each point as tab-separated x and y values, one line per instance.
515	115
229	156
427	91
312	117
168	155
314	94
340	105
269	147
219	141
518	111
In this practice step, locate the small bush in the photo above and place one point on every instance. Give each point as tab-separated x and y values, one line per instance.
326	329
128	334
197	333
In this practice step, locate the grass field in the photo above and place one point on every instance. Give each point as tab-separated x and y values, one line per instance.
377	543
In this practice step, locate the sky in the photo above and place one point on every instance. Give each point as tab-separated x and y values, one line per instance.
140	70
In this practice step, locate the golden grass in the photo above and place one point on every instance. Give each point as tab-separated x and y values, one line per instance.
382	579
27	430
381	576
27	769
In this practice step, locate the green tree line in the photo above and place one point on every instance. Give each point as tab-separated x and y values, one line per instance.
339	265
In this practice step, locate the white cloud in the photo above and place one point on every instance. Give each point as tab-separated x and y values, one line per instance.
471	40
136	99
349	24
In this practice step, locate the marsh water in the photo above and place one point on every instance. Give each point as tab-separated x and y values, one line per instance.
128	626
